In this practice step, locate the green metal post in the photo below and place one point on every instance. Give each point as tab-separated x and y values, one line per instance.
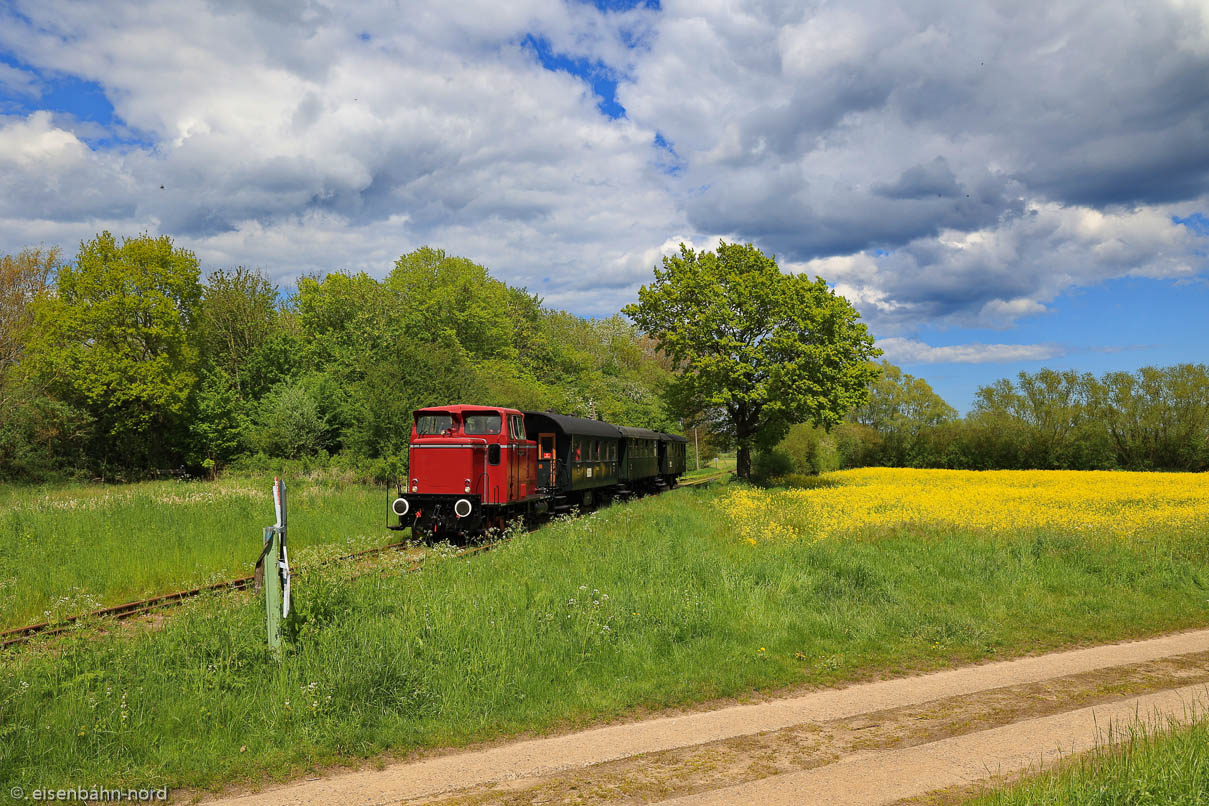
272	589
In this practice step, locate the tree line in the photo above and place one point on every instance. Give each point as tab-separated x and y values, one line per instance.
126	360
1156	418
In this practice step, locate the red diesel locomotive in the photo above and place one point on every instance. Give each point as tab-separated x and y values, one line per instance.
477	467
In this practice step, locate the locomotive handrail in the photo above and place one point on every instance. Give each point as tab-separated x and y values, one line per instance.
442	442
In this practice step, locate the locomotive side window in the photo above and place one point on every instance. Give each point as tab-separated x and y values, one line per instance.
480	424
428	425
493	453
516	426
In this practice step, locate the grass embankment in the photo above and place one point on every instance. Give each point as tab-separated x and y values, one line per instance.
73	548
719	465
1151	768
647	605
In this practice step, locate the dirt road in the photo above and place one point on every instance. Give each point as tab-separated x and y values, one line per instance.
870	743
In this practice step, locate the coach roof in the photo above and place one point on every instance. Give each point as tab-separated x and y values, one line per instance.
579	425
629	432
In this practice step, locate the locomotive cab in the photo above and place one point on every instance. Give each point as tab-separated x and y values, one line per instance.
469	467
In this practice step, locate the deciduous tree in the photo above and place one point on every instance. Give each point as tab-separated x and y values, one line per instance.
763	348
116	337
23	277
238	315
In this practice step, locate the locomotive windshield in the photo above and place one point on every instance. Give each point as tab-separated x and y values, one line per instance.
485	423
429	425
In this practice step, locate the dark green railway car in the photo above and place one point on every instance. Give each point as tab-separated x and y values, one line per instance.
639	455
672	457
574	454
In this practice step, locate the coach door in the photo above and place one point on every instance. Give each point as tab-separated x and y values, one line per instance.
546	460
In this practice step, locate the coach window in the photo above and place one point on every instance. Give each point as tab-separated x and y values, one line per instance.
596	449
578	445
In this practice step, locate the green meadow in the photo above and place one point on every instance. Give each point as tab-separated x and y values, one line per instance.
632	608
68	549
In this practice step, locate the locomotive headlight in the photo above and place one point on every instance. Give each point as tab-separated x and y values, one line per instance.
415	486
467	485
400	507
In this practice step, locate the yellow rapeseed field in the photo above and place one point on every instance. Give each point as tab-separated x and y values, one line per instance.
1114	504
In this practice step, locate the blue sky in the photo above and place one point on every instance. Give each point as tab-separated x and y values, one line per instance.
1119	325
994	197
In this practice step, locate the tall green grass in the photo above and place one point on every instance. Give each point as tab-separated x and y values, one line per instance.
1165	767
638	606
72	548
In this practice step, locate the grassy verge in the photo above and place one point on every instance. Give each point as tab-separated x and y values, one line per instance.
647	605
72	548
1151	768
722	464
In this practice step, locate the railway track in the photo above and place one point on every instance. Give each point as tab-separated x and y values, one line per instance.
141	607
22	635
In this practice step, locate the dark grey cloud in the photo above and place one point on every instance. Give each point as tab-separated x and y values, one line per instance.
903	123
922	182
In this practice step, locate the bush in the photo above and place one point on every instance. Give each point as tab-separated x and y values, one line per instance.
346	467
289	423
811	450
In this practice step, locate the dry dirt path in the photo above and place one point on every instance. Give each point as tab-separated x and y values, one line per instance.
870	743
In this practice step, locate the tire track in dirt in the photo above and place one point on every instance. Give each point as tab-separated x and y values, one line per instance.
701	768
874	779
752	745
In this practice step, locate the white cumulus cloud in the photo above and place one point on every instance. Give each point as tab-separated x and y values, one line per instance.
910	351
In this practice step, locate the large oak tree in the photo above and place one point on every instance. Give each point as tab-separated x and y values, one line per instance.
760	348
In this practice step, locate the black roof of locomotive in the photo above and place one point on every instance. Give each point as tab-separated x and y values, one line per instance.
579	425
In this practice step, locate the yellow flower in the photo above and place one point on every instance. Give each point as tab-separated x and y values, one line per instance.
874	500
